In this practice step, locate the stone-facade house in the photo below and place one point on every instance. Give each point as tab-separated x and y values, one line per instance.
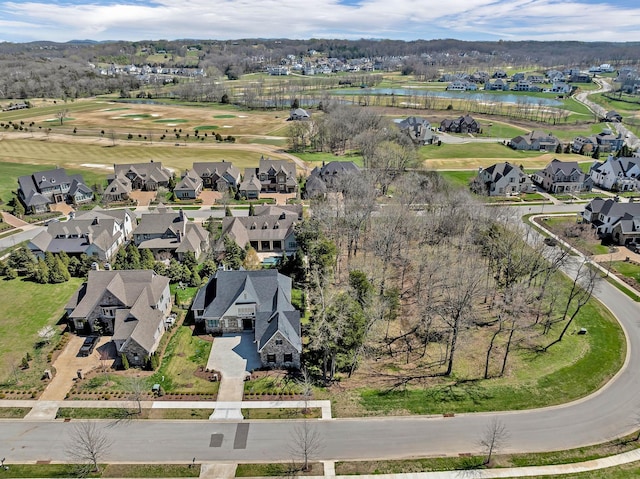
98	233
562	177
535	141
256	301
143	176
218	175
168	233
44	188
418	129
131	306
501	179
189	186
118	189
277	176
462	124
616	174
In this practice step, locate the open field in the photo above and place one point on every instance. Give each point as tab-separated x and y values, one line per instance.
31	307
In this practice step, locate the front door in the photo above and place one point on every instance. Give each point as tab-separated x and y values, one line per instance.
247	324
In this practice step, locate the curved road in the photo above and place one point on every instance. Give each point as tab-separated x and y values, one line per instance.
606	414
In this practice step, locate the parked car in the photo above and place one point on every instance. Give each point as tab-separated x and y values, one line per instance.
549	241
88	345
633	246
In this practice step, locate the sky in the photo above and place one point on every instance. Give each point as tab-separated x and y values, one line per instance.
492	20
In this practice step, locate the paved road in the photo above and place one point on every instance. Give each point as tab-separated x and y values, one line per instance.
604	415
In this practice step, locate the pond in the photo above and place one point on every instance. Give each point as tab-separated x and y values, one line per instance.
458	95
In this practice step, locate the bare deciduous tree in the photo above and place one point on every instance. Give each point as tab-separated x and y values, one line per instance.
88	446
62	115
493	438
306	444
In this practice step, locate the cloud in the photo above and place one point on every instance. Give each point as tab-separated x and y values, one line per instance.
586	20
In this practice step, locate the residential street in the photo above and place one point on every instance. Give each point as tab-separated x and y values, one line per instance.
604	415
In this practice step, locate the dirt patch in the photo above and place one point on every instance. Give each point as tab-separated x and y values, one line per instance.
143	198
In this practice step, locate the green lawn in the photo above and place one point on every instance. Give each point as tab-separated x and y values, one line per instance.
629	270
472	150
109	470
27	308
459	178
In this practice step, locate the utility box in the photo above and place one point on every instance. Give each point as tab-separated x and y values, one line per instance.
80	374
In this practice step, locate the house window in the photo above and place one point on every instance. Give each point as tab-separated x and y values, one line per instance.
271	358
109	312
264	245
213	323
278	342
277	244
288	358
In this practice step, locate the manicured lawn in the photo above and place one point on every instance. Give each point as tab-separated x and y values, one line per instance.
184	354
116	413
13	413
629	270
27	308
317	158
109	470
279	470
459	177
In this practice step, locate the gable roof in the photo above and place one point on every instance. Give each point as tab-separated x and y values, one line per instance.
269	290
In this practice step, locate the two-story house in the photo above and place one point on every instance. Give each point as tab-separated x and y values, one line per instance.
44	188
275	176
271	231
218	175
418	129
616	174
98	233
501	179
143	176
168	233
620	222
256	301
189	186
535	141
462	124
562	177
132	306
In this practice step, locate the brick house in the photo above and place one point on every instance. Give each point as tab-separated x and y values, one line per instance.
257	301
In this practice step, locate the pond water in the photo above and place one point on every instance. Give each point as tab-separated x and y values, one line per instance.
458	95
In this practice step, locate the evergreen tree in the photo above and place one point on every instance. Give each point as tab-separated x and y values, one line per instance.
147	260
133	257
121	259
252	211
160	268
195	279
58	273
189	260
233	254
208	268
125	361
41	272
227	211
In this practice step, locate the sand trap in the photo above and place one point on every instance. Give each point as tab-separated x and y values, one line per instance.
172	124
243	116
136	119
96	165
155	114
227	126
118	118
